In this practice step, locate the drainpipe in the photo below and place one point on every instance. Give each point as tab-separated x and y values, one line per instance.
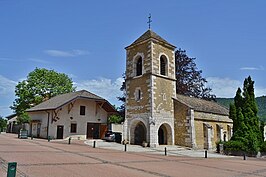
48	121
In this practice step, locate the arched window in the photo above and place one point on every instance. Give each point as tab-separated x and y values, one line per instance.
163	65
139	67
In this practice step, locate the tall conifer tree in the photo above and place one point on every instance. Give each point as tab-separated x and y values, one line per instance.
245	121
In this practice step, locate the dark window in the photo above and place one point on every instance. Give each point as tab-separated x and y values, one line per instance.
73	128
138	96
139	67
163	65
82	110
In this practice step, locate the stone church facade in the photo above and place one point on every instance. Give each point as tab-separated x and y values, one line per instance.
154	114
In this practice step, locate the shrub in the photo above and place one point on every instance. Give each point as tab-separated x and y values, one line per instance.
230	146
263	147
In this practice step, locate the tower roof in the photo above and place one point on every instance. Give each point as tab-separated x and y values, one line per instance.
149	34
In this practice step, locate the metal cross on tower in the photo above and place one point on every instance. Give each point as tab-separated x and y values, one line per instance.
149	22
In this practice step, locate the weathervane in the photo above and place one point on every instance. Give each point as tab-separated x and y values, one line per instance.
149	22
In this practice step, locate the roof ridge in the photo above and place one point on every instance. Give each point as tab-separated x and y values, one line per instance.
148	35
201	104
59	100
86	91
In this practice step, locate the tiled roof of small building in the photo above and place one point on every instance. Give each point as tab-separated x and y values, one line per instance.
60	100
202	105
150	34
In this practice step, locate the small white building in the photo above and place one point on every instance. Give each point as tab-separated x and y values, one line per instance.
11	123
265	133
80	115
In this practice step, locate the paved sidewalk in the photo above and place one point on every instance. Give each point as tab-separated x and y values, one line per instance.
160	150
40	158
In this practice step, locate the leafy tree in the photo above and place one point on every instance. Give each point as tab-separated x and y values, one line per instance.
40	85
3	123
121	109
23	118
188	78
115	119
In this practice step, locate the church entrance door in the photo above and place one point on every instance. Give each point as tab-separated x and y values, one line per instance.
162	135
139	134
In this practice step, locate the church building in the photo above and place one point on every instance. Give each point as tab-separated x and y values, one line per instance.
155	114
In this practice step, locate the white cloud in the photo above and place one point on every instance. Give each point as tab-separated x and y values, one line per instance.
7	86
253	68
223	87
226	87
103	87
62	53
260	91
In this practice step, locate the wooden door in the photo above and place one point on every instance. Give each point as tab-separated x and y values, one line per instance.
60	132
103	130
89	131
93	130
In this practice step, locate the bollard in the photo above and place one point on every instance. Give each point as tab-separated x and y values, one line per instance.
94	144
244	156
49	138
12	169
165	152
69	140
31	137
206	154
125	147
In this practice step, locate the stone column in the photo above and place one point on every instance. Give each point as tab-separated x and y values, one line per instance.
125	136
192	129
153	135
209	140
221	133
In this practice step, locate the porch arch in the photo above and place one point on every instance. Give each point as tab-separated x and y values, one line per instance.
138	133
165	134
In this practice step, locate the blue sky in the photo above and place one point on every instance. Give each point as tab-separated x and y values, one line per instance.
86	40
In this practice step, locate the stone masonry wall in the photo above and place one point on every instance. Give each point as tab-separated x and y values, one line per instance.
182	126
213	120
163	90
138	110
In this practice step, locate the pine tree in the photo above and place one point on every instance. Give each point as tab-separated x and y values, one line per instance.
238	99
233	116
245	120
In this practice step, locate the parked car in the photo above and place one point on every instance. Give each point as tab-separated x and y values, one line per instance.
109	136
113	136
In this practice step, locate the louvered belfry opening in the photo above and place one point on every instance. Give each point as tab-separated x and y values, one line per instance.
163	65
139	67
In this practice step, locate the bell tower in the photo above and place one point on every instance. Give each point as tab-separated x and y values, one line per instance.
150	87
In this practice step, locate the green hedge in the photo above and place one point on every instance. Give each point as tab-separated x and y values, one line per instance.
234	146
